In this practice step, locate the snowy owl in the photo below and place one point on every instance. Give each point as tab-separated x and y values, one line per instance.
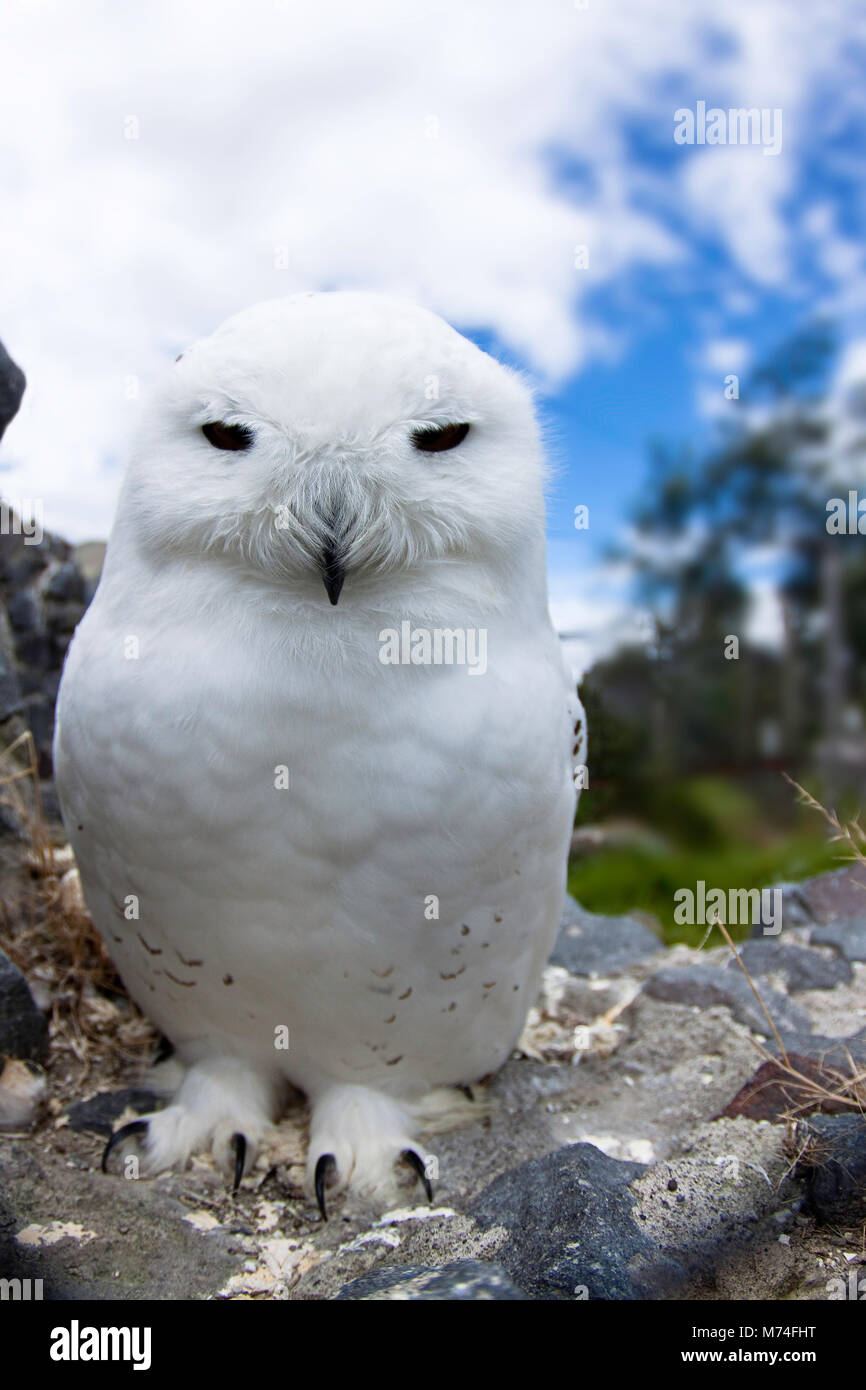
315	738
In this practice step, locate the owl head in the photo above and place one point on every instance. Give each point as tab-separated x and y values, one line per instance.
322	442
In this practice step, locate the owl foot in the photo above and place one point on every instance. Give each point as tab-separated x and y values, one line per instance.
326	1164
356	1137
220	1105
136	1128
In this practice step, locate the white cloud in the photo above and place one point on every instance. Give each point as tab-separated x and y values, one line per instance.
307	126
724	355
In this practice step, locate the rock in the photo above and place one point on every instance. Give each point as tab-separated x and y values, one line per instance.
25	615
463	1280
22	565
796	911
718	1208
772	1093
39	714
98	1114
800	967
50	801
12	384
64	582
126	1240
45	594
63	618
833	1169
847	936
590	944
831	1052
836	896
10	686
22	1094
570	1228
23	1029
706	985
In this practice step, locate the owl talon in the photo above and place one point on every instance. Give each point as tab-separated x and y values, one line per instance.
416	1161
325	1164
135	1127
239	1144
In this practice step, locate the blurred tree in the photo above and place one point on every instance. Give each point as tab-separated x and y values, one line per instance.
761	490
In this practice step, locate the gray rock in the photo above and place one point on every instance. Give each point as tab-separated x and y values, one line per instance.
463	1280
570	1229
34	650
143	1247
12	384
97	1115
796	909
838	896
708	985
50	801
847	937
834	1052
63	618
590	944
64	583
25	615
10	686
22	564
834	1167
23	1029
39	714
801	968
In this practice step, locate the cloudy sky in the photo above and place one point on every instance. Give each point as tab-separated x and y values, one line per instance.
167	163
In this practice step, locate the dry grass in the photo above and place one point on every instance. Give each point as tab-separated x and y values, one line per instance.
850	833
46	931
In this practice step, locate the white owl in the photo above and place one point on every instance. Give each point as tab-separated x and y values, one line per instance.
314	738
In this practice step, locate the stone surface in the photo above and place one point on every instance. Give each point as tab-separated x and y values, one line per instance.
834	1168
846	936
44	593
796	910
23	1029
126	1240
800	968
832	1052
462	1281
774	1094
98	1114
726	1209
12	384
705	985
571	1231
64	582
589	944
837	896
10	684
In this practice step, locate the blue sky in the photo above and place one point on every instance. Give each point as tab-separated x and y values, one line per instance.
161	174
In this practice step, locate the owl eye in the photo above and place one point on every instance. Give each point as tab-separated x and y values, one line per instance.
436	441
227	436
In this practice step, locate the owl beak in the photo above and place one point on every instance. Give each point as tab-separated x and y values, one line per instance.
332	570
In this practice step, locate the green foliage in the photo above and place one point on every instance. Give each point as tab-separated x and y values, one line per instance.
621	880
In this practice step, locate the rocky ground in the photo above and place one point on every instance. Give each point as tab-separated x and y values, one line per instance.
619	1154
